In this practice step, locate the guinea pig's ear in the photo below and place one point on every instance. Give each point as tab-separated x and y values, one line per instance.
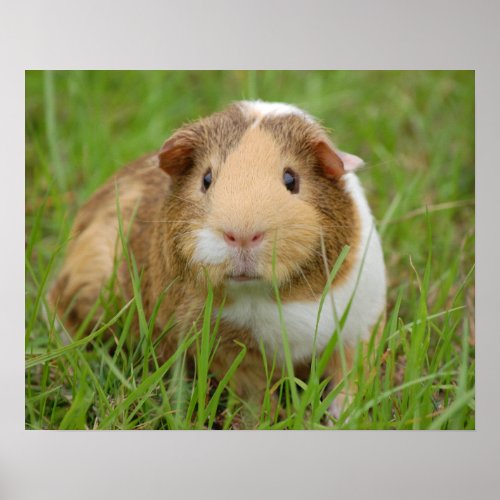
335	163
176	154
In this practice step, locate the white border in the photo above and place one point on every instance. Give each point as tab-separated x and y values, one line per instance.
272	34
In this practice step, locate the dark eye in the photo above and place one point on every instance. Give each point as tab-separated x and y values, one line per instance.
291	180
207	180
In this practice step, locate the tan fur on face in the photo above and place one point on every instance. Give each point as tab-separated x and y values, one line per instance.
248	196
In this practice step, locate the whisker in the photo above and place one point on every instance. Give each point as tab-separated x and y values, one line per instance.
184	233
309	227
376	164
307	282
186	200
301	245
164	220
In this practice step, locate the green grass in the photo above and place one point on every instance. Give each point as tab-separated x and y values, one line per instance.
414	129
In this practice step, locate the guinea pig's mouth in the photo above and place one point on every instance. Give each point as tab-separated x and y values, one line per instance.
243	277
243	268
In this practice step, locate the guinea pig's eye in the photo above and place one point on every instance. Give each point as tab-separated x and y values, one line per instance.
207	180
291	180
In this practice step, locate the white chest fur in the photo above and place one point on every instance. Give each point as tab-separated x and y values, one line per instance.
366	285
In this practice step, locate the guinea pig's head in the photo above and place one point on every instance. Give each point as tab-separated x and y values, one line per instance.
257	195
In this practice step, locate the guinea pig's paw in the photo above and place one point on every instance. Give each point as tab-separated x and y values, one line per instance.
336	408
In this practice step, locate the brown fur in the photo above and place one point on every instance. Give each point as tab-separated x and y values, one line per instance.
247	193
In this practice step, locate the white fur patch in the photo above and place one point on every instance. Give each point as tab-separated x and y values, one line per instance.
210	247
259	313
261	109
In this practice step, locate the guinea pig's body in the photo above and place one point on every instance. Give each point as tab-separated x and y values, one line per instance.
253	197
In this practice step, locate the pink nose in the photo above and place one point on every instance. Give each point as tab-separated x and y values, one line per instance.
239	240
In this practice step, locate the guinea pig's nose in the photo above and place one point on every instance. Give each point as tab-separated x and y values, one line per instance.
240	240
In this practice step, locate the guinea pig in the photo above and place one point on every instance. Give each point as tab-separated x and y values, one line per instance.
253	199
